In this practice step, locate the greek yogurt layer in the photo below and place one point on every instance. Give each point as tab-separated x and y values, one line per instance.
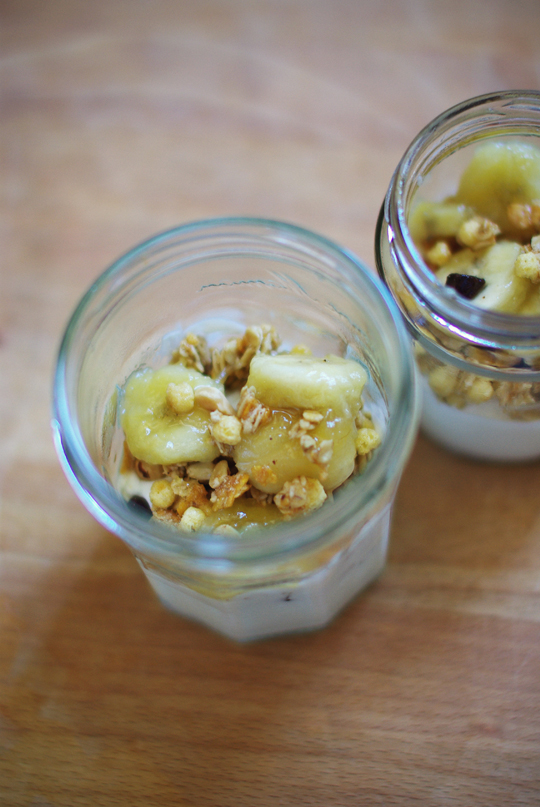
302	605
481	431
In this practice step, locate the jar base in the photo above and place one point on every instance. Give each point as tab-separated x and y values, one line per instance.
308	604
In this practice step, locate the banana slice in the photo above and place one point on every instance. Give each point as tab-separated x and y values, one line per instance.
431	220
289	385
272	457
531	306
154	432
504	291
464	262
306	382
244	514
500	173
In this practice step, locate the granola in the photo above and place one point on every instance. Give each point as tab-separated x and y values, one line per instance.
232	362
300	496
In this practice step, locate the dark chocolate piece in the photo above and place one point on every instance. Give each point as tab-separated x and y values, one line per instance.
466	285
141	506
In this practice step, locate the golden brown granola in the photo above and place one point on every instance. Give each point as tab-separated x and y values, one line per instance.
251	412
213	400
525	217
192	519
169	517
225	429
457	387
162	495
193	352
317	451
511	393
221	470
263	475
180	398
367	440
189	493
231	363
230	489
300	496
528	265
477	233
439	254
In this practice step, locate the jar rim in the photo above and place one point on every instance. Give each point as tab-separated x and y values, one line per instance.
107	506
457	127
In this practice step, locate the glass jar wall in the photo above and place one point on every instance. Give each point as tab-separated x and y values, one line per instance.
216	278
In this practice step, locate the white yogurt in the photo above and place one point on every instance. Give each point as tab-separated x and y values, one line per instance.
129	484
307	604
481	431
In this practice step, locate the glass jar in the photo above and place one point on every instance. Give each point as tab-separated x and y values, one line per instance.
215	278
454	340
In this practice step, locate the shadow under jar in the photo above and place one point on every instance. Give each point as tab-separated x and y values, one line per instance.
460	346
216	278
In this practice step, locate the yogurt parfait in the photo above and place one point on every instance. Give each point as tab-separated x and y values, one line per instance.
458	244
236	400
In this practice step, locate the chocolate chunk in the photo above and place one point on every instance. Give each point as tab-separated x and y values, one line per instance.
140	506
466	285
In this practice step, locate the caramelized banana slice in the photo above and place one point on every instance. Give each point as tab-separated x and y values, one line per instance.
156	428
431	220
295	381
501	173
271	456
312	431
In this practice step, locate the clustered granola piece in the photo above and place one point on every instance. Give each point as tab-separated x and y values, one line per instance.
528	261
180	398
193	352
251	412
230	488
525	217
478	233
459	388
300	496
517	394
231	363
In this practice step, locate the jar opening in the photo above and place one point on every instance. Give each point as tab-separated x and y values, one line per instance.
288	250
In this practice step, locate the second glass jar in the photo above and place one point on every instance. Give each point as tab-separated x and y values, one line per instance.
459	345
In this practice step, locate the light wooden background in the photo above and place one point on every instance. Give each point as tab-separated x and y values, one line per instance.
120	118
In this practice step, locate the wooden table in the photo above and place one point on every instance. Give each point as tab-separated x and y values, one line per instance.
123	118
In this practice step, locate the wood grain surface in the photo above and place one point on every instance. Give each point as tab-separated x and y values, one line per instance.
122	118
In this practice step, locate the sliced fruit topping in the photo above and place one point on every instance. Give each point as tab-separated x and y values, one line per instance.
305	382
500	174
155	431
